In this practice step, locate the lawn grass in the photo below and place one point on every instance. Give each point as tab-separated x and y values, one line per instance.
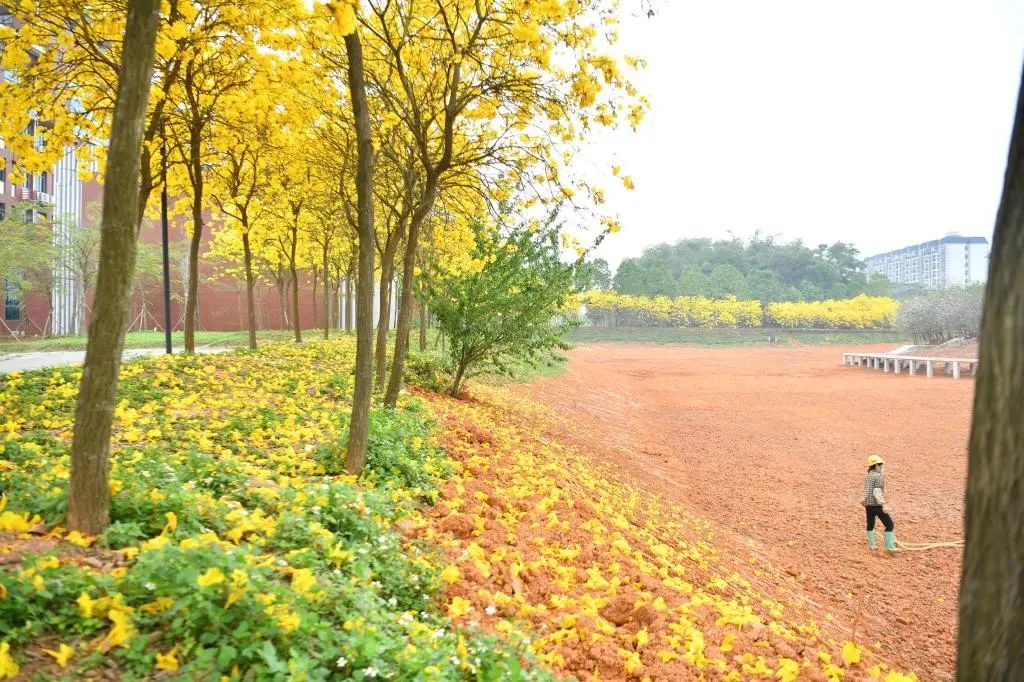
152	340
731	337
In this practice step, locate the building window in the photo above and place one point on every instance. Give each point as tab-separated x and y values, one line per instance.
41	181
12	302
3	211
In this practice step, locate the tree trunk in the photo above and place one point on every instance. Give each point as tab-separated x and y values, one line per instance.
423	327
348	304
197	236
991	633
359	426
281	297
316	282
405	308
295	280
460	372
89	493
250	289
327	295
384	316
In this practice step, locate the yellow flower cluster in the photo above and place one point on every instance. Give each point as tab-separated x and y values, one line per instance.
611	582
862	312
222	477
662	311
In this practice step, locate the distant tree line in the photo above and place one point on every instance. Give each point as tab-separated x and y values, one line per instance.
758	269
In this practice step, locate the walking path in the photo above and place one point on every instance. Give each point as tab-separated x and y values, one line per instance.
24	362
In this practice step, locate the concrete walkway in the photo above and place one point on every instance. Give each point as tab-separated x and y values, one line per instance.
24	362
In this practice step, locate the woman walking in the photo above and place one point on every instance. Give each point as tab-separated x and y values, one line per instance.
874	503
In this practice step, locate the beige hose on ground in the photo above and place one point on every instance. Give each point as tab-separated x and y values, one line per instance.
919	546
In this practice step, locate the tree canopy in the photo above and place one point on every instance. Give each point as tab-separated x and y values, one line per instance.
759	268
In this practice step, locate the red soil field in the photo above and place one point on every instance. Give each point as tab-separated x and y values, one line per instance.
769	445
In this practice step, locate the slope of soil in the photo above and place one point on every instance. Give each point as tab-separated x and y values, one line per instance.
607	581
769	445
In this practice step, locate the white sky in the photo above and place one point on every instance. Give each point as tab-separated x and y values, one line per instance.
877	122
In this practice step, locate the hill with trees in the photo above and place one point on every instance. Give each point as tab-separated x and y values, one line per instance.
760	269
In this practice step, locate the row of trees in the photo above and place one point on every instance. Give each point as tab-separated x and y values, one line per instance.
758	269
367	143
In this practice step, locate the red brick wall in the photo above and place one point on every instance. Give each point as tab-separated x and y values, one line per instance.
222	305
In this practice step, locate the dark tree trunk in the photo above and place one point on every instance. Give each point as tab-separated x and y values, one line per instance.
348	304
295	280
384	317
328	295
423	327
991	633
89	494
191	303
316	283
250	288
359	426
281	296
405	308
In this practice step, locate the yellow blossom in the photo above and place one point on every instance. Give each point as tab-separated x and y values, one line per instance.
62	655
168	661
459	607
8	668
213	576
451	574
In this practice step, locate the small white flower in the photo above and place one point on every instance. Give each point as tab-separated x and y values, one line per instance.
370	671
439	633
315	510
150	586
341	662
454	660
491	610
393	602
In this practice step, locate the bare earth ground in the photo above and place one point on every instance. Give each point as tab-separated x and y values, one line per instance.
769	444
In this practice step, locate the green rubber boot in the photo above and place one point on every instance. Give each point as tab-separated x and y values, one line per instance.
890	541
871	540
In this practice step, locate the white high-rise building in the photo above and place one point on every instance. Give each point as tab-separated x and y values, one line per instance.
953	260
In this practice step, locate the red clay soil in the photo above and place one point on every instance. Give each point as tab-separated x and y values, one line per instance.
769	445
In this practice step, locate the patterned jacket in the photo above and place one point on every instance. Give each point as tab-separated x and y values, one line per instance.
874	480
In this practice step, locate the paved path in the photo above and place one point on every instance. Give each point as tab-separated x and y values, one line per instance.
23	362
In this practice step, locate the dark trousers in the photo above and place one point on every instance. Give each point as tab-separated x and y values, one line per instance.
876	511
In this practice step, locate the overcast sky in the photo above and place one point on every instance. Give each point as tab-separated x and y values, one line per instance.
878	122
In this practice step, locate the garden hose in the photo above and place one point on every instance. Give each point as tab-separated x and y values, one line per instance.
920	546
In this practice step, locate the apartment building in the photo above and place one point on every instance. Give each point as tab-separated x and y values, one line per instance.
953	260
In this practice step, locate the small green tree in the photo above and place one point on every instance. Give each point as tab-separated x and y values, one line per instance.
26	248
764	285
510	309
693	282
727	280
878	285
809	291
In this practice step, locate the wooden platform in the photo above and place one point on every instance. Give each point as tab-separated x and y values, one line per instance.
912	363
